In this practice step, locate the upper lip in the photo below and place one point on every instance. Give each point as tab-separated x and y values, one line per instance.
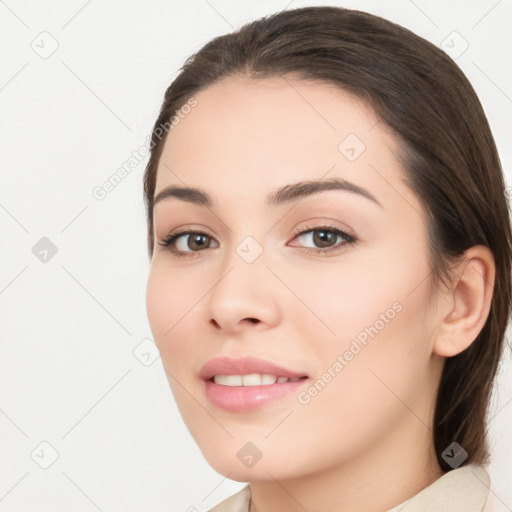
244	366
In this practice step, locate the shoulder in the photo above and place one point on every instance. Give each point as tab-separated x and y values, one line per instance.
464	489
239	502
460	490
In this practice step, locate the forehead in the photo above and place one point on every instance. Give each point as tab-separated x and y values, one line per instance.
244	135
255	112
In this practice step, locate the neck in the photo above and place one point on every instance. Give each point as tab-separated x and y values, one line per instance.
390	471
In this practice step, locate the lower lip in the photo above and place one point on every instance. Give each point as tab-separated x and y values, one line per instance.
248	398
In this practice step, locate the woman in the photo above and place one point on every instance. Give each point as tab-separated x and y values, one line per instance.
330	251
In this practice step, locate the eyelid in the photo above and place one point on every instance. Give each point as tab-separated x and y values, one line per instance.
350	239
319	225
184	230
189	229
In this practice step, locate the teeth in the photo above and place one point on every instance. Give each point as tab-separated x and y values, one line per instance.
233	380
253	379
268	379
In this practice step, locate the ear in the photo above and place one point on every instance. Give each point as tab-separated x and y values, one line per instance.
468	302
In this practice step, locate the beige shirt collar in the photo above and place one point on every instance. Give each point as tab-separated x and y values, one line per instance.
460	490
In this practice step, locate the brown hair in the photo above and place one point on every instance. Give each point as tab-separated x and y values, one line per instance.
448	153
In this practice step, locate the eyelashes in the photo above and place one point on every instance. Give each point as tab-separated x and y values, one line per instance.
169	242
179	242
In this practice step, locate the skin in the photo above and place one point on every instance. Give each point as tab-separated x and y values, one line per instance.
370	428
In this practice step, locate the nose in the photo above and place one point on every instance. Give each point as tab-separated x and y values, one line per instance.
245	296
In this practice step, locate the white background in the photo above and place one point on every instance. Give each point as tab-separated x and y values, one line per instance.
69	326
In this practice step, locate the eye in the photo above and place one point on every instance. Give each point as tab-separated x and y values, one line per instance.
184	243
325	238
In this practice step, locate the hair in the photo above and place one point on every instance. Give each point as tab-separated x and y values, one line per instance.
446	150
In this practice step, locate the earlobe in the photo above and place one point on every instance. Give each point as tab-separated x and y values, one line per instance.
470	302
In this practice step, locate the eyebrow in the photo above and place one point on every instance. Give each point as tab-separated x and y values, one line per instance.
281	196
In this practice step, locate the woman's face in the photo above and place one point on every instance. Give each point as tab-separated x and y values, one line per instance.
271	276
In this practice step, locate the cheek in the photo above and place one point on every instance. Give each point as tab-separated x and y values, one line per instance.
371	312
339	301
169	304
160	302
363	389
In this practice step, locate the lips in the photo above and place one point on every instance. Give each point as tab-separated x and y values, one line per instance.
225	386
245	366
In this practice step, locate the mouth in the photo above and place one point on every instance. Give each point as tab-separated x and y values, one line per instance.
232	372
247	384
253	379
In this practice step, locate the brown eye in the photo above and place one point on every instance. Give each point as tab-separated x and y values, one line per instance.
324	238
196	241
186	242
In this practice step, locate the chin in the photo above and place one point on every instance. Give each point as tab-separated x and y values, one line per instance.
241	468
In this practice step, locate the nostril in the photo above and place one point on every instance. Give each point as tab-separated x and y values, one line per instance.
215	323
